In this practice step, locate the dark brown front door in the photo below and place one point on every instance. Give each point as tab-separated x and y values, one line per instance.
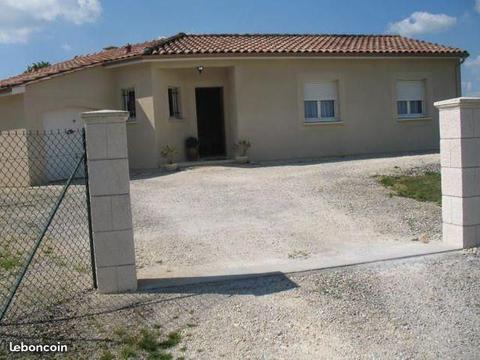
210	122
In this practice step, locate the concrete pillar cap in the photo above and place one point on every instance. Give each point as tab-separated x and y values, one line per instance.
105	116
464	102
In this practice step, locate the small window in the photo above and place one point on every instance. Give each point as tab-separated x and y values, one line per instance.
311	109
174	102
327	109
321	102
416	107
402	107
128	102
411	99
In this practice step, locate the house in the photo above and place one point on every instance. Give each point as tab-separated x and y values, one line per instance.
291	96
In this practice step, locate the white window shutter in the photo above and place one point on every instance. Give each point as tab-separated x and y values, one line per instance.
326	90
410	90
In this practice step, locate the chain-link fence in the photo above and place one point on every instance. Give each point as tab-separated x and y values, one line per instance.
45	252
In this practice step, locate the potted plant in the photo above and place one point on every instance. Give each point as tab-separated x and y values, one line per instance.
241	149
168	153
191	145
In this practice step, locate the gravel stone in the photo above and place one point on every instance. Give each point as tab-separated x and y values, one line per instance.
275	211
424	307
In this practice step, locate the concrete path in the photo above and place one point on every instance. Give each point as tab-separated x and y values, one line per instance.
157	277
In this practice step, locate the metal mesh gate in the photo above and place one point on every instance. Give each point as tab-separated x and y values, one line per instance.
45	242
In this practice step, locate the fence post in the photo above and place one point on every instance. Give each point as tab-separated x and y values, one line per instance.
109	180
460	162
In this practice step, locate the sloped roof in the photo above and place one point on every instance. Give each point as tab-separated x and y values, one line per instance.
77	63
182	45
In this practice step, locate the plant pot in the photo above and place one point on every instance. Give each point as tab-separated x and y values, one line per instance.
171	167
241	159
192	154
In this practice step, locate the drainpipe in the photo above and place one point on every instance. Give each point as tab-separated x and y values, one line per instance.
458	76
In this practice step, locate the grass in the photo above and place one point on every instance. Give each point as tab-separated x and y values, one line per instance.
9	258
298	254
107	355
8	262
145	344
128	352
147	341
426	187
173	339
15	248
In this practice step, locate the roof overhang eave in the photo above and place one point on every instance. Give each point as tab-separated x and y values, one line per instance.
231	56
21	85
12	90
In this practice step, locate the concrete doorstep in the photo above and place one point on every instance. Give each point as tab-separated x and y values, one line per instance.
191	164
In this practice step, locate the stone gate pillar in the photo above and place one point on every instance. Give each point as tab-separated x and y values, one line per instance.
109	180
460	162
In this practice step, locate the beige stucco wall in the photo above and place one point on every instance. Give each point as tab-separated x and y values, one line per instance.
141	131
14	161
171	131
12	115
269	97
89	89
263	103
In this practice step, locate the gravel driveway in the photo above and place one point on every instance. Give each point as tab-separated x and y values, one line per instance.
240	215
421	308
425	307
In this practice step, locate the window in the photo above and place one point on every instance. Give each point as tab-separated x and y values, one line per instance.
321	102
174	102
411	98
128	102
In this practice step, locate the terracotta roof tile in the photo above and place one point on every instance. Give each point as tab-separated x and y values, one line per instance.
77	63
244	44
289	43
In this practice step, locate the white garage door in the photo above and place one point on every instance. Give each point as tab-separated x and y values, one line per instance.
65	147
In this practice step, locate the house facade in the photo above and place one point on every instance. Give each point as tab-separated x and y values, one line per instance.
291	96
